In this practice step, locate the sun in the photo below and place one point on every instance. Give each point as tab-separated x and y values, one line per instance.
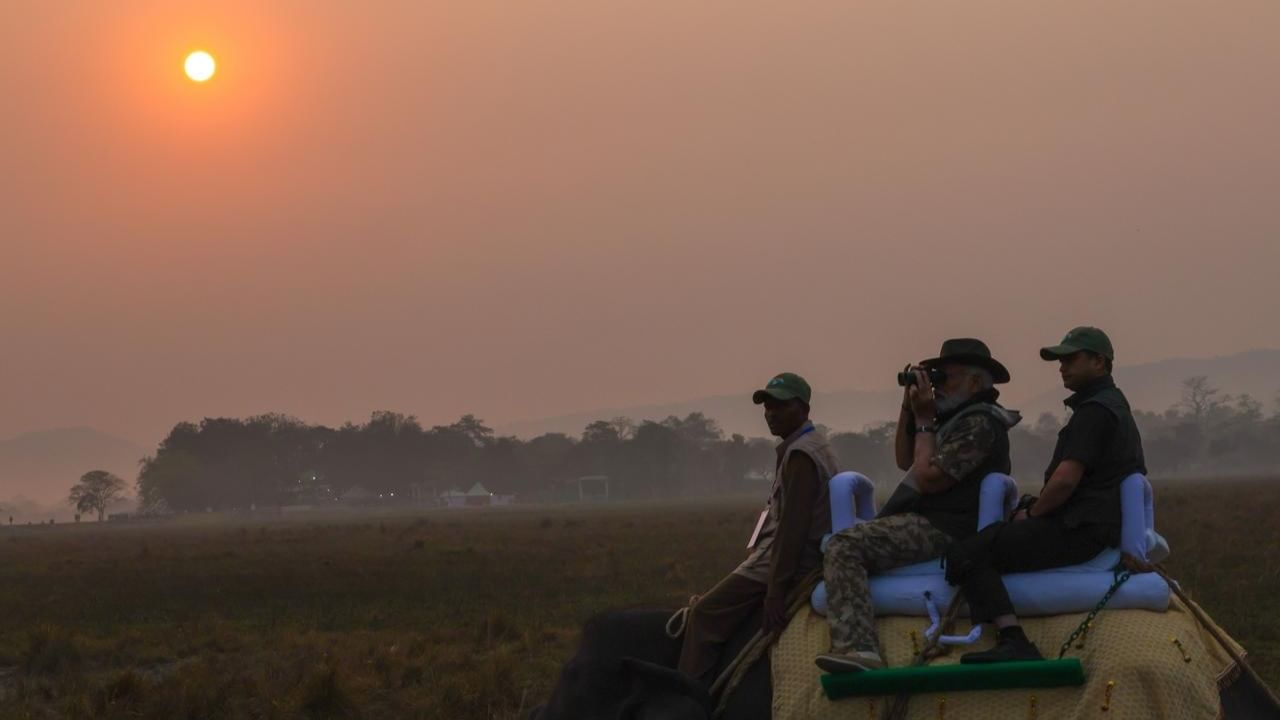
199	66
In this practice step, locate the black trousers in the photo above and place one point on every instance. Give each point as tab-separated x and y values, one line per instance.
976	563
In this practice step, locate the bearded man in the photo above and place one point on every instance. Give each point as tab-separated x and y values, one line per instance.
952	432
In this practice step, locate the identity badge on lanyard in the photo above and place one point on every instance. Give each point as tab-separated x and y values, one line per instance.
755	535
764	514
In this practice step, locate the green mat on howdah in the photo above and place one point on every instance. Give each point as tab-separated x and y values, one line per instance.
953	678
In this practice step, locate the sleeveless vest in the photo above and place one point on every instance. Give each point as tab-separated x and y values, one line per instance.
815	446
1096	499
955	510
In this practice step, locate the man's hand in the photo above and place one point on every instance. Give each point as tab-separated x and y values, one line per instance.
922	401
1022	510
775	613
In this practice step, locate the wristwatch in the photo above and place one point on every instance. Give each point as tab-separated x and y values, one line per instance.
926	429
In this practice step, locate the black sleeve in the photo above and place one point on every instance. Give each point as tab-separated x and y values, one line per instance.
1088	435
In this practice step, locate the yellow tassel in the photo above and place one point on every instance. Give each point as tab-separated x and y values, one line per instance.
1106	698
942	709
1032	710
871	710
1186	657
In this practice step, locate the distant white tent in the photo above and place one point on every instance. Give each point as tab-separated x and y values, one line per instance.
477	496
453	498
355	495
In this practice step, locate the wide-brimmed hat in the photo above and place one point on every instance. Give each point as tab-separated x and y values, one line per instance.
969	351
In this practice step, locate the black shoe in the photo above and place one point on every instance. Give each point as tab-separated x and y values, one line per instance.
1004	651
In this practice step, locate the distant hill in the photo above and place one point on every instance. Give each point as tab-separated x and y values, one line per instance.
1157	386
1151	386
42	466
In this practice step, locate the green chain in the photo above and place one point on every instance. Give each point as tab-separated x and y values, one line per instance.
1084	624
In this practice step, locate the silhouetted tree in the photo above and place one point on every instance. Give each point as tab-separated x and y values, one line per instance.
1200	399
96	490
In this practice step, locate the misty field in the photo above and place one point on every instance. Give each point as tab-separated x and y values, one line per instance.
438	614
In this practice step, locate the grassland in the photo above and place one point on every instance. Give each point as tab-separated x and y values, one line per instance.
435	614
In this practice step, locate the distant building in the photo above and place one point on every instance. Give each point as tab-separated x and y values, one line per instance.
453	499
477	496
356	495
593	488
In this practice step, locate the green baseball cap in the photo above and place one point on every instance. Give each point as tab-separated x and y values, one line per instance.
1081	338
783	386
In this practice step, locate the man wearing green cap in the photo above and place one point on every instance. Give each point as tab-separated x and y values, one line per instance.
786	543
951	434
1078	512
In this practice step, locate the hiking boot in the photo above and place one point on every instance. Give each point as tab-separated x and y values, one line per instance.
1007	650
856	661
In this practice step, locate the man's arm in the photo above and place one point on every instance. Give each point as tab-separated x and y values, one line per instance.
967	447
1058	488
799	492
903	449
929	478
923	475
1090	428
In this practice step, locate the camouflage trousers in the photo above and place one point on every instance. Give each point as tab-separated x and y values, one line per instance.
867	548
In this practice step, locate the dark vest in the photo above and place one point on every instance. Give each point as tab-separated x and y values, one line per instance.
955	510
1096	499
812	443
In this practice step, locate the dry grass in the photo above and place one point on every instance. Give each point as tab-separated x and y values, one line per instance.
439	614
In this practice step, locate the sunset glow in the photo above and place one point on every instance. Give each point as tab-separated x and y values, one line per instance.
199	66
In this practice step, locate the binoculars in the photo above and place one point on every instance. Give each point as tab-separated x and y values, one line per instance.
936	377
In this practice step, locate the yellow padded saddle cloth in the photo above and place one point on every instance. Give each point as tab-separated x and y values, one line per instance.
1133	649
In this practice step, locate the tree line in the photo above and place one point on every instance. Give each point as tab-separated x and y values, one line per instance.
269	460
274	460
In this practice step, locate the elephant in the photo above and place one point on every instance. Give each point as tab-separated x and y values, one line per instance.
624	669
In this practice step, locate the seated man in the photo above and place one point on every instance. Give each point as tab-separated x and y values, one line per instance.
786	543
1078	512
951	434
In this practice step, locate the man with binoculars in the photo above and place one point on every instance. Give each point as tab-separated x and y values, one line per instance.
951	434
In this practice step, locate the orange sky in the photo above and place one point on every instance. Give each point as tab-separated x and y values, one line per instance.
525	209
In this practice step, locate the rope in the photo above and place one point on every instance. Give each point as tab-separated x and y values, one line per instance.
1207	624
758	645
681	618
931	649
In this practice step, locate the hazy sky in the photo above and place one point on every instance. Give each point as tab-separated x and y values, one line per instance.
523	209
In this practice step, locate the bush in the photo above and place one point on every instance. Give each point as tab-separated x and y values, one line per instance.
126	691
51	651
326	696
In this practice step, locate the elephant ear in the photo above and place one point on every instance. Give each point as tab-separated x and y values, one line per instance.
670	692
